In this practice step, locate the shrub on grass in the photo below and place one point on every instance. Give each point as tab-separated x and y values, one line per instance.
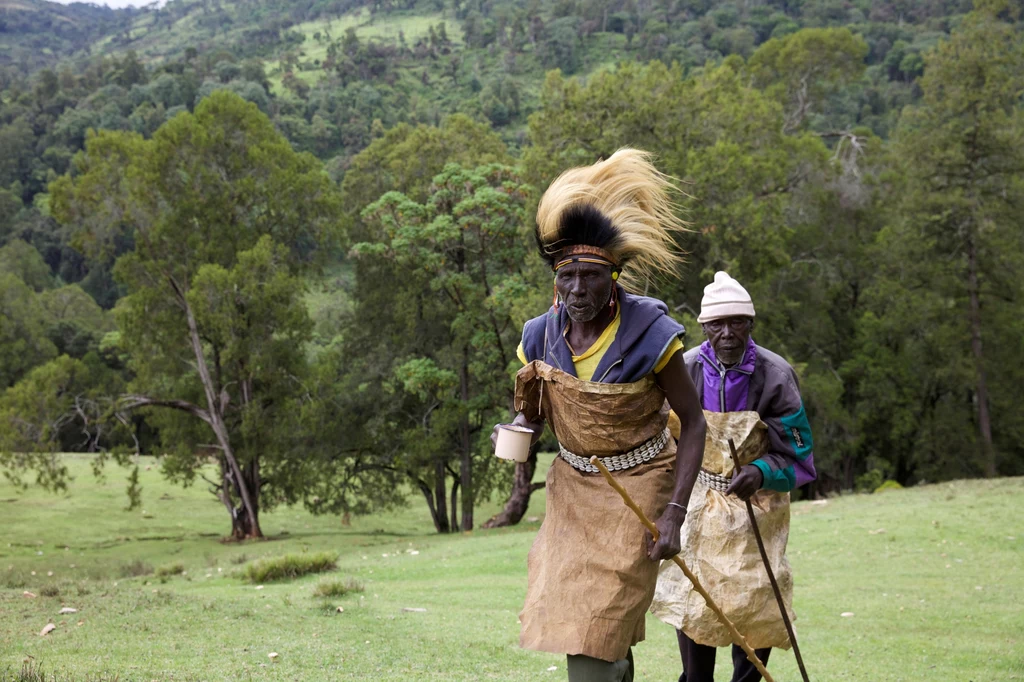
33	672
50	591
94	572
889	485
336	587
869	481
14	581
170	569
134	569
289	566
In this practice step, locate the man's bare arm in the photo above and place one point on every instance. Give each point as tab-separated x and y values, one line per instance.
684	401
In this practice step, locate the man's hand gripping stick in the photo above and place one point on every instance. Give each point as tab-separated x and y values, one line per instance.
736	636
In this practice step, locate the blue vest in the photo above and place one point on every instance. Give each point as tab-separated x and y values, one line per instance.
645	332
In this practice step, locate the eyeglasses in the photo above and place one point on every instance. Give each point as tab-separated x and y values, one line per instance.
737	324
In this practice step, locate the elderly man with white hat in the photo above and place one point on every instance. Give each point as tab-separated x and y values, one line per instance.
732	374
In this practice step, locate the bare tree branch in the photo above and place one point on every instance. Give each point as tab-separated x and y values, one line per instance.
132	401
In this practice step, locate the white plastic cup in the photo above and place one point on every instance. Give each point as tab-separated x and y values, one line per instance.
513	442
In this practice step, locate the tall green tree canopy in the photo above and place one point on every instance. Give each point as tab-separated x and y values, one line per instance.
23	339
437	342
952	261
226	219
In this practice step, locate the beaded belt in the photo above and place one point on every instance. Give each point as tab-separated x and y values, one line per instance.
713	481
628	460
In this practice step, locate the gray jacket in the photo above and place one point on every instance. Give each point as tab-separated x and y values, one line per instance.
765	383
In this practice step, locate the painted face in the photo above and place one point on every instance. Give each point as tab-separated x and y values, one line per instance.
584	289
729	337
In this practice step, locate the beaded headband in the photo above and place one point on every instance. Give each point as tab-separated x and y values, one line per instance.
582	253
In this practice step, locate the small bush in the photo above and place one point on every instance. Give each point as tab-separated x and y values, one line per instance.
869	481
289	566
170	569
889	485
335	587
15	581
33	672
50	591
136	568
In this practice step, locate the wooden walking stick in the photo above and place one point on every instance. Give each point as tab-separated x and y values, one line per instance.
736	636
768	567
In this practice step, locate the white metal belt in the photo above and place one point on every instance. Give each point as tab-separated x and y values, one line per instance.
627	460
713	481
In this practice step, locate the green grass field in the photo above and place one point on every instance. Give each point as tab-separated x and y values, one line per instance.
933	575
367	27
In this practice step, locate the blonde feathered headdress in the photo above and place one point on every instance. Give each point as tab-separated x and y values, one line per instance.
619	210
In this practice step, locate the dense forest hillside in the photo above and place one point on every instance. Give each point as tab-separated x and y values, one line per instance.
855	162
332	76
35	33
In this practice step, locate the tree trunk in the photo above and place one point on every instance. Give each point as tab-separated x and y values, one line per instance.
245	518
522	487
848	468
467	447
440	521
224	492
455	504
442	508
981	390
242	527
216	403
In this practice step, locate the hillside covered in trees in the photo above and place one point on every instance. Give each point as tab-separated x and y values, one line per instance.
296	237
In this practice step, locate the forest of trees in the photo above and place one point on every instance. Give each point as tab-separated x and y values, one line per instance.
307	259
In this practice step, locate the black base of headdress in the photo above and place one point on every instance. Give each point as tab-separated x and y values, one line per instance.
580	224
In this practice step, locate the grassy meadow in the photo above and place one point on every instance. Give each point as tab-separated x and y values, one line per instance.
367	27
934	578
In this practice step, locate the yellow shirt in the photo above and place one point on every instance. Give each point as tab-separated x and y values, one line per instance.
586	364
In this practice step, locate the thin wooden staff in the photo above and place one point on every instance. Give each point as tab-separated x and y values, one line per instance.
736	636
768	567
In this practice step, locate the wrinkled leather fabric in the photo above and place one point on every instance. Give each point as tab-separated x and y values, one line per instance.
590	582
718	545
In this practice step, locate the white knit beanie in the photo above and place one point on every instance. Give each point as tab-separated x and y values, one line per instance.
725	297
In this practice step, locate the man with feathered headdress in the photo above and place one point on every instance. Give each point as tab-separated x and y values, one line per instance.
603	366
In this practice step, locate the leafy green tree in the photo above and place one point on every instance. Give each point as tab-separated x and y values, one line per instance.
23	340
60	406
407	158
21	258
75	323
818	302
129	71
33	415
252	70
10	206
721	137
559	47
956	248
227	71
16	150
446	327
296	85
212	323
804	68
